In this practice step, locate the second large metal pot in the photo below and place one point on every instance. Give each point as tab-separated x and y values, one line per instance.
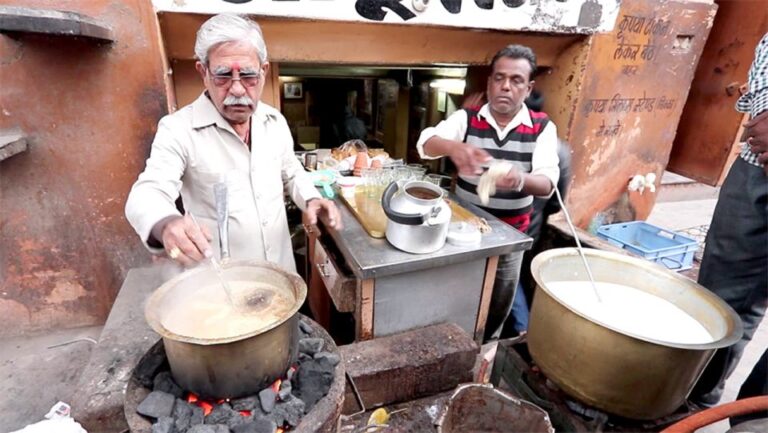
234	366
631	376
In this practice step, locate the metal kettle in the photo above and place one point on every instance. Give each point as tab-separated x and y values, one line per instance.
417	216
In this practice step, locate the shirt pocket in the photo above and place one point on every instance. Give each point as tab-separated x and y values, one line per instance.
239	197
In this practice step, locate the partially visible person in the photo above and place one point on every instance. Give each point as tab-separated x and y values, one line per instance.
504	129
228	135
542	209
735	262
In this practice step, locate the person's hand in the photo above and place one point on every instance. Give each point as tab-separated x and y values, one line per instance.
756	131
511	180
185	241
321	207
474	100
468	158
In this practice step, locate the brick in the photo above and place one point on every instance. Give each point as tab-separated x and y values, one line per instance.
409	365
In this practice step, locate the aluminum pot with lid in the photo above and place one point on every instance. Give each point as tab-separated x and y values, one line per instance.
230	366
417	216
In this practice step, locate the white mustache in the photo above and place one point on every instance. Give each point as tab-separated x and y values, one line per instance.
234	100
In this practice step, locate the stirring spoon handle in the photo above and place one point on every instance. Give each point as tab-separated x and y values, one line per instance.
578	244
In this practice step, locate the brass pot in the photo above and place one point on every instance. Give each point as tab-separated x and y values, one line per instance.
622	374
234	366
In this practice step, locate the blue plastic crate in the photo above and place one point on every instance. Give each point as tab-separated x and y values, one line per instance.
656	244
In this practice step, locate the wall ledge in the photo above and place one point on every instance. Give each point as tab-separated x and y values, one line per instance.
12	142
52	22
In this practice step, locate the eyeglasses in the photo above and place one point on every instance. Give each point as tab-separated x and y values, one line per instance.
226	80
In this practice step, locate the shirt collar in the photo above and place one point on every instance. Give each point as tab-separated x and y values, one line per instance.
523	117
204	113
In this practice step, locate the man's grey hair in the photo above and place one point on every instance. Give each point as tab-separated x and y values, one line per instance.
224	28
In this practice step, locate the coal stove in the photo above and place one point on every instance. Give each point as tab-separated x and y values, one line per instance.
515	372
308	398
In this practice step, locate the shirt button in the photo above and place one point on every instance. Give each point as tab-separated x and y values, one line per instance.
264	223
258	196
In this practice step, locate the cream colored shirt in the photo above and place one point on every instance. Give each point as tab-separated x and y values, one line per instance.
196	147
544	160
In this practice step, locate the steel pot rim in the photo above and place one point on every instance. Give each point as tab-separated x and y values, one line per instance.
728	339
152	316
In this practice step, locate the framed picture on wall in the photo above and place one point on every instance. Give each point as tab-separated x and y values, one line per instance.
293	90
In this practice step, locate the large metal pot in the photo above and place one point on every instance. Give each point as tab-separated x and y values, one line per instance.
626	375
234	366
417	216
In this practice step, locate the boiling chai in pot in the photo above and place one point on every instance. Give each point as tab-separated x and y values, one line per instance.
632	311
207	312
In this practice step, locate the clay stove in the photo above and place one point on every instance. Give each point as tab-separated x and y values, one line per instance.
515	372
322	417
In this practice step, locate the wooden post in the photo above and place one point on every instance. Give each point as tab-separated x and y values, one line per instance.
485	297
364	310
317	296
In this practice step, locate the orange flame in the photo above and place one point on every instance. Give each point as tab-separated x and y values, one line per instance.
276	386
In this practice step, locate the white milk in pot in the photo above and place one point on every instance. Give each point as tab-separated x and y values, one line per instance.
631	311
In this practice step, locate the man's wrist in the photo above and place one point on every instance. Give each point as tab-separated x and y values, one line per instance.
521	184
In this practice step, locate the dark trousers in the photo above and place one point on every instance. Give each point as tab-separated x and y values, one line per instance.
735	267
755	385
504	288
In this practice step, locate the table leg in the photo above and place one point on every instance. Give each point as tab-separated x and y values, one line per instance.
364	310
317	295
485	297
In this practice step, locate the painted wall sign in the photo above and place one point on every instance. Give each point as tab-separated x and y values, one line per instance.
559	16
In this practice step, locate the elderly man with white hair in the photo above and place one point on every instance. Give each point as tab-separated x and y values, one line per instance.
226	135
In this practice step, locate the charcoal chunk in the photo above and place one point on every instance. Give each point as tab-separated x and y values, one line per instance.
289	411
245	403
221	414
310	346
238	420
285	390
304	357
198	415
220	428
157	405
164	382
150	365
267	397
202	428
327	359
258	425
290	373
312	382
182	414
164	425
305	327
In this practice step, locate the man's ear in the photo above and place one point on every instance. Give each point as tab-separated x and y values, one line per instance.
530	87
200	69
265	69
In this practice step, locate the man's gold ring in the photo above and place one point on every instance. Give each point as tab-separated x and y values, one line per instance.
174	253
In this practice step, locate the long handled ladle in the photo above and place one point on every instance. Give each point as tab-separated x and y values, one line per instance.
578	244
216	267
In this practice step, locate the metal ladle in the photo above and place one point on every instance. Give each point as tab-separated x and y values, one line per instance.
578	244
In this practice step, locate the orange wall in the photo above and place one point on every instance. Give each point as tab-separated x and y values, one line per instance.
90	113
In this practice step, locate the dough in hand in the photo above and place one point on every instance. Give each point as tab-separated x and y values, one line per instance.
486	187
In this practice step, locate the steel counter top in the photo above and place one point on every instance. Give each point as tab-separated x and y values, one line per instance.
369	257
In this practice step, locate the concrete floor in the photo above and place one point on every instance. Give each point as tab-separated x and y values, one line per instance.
34	375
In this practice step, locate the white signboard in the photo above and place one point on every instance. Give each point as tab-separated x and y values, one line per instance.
558	16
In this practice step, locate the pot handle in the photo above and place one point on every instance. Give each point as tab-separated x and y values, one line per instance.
409	219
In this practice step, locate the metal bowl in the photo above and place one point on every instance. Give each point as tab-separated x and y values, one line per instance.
623	374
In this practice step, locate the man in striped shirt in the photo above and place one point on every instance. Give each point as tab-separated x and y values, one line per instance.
503	129
735	263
